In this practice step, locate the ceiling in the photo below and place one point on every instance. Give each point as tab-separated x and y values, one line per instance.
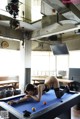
58	18
63	16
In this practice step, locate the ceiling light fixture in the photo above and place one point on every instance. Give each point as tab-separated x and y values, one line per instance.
12	7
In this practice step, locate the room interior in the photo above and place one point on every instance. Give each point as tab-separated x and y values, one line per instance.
42	23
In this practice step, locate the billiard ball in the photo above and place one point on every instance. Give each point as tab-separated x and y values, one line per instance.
10	102
44	103
33	109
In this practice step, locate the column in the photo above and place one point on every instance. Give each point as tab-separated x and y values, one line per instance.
22	70
27	61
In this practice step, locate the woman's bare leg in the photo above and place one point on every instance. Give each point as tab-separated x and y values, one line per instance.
53	82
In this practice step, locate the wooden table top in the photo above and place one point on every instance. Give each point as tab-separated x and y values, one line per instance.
60	80
8	82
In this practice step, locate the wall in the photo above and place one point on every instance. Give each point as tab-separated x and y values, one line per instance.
73	42
14	45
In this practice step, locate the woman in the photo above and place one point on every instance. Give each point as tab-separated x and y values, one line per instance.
36	92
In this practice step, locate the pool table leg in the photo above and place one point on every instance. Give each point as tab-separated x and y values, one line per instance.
66	115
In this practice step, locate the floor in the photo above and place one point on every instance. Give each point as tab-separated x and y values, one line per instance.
75	114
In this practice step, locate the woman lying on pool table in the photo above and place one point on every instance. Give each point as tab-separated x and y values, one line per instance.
36	92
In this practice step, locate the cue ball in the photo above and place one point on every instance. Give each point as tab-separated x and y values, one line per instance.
33	109
44	103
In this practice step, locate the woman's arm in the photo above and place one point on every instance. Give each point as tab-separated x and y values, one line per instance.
38	96
25	98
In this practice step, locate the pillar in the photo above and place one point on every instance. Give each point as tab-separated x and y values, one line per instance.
27	61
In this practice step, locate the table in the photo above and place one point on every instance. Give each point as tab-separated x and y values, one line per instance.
54	107
8	82
41	80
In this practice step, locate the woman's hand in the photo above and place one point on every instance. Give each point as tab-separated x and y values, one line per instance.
12	102
28	96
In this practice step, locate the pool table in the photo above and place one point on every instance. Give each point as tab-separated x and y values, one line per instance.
53	108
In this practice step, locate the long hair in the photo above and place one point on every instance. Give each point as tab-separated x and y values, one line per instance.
29	87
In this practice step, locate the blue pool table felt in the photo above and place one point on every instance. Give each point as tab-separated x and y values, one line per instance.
49	97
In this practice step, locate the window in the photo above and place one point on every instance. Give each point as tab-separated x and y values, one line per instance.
9	62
